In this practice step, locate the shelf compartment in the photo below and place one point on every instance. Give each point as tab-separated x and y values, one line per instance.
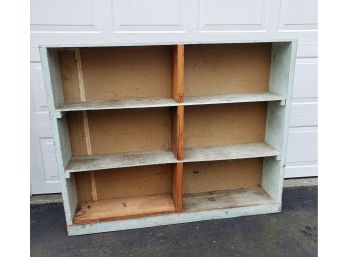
118	104
119	160
221	184
225	124
218	69
124	193
122	208
115	73
209	176
119	138
232	98
229	152
226	199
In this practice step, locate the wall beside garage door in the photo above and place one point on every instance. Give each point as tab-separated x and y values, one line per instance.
130	21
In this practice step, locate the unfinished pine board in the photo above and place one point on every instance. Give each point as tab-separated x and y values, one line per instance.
232	98
178	149
177	123
178	72
119	160
210	176
119	104
126	182
225	124
115	73
227	69
177	180
178	132
123	208
121	131
229	152
226	199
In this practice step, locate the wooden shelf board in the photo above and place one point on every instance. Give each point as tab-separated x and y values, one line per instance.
132	159
119	160
120	104
122	208
232	98
229	152
226	199
168	102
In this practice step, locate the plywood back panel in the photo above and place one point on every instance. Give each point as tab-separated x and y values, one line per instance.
112	73
226	69
125	182
221	175
114	131
214	125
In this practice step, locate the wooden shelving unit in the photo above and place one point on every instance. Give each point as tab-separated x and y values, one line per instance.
164	134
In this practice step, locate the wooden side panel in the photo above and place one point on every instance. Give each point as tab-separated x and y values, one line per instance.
222	175
126	182
178	73
114	73
225	124
226	69
278	117
52	81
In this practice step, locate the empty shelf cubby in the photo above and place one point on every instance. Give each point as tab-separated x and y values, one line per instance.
226	131
115	77
224	184
119	138
124	193
228	73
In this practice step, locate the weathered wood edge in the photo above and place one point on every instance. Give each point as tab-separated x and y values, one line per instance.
67	185
174	42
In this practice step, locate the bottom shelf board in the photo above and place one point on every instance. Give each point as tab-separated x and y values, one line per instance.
123	208
226	199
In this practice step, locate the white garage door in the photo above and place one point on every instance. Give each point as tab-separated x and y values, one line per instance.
120	21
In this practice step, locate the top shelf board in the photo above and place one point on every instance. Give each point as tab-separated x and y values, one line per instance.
168	102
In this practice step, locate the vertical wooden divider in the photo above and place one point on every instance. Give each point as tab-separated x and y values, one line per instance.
178	123
85	121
